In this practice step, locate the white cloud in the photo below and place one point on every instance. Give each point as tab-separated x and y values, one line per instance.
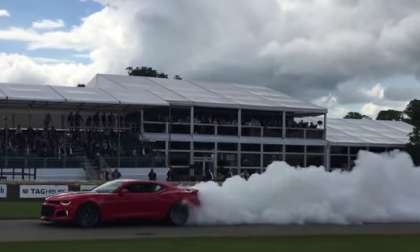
372	110
22	69
376	92
266	42
48	24
4	13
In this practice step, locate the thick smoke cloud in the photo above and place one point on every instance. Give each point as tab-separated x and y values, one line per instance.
382	188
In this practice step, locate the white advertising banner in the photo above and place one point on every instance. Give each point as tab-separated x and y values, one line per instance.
3	191
40	191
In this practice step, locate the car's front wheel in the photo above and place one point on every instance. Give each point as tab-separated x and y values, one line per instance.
179	214
88	215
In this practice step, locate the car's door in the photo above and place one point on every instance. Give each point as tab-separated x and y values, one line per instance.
141	199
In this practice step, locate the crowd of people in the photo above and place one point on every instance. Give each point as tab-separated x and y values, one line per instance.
103	120
92	135
303	125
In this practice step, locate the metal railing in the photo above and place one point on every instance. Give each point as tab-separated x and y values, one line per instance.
232	130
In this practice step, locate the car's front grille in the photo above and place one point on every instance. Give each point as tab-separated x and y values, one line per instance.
47	211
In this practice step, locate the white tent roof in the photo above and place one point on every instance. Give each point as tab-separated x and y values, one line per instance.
85	95
352	131
24	92
183	92
136	96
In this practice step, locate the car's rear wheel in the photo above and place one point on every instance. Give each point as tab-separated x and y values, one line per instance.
179	214
88	215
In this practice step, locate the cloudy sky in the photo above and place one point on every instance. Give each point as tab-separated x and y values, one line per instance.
361	55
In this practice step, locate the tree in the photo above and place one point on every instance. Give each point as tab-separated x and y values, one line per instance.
390	115
413	148
356	115
145	71
413	113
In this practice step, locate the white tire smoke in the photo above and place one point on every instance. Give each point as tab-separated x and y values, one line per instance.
381	188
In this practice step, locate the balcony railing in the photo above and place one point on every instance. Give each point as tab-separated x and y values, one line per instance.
232	130
305	133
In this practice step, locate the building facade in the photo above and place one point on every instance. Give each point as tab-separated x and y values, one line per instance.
197	129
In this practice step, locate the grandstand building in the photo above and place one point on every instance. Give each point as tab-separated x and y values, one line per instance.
196	129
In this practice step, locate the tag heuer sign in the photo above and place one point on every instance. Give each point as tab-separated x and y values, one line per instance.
40	191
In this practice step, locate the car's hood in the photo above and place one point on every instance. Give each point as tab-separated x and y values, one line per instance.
70	195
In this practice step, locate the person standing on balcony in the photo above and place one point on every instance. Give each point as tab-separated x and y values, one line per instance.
152	175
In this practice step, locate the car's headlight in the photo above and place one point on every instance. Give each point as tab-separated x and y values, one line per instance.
65	203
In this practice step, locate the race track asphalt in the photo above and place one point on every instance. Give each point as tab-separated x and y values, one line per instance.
34	230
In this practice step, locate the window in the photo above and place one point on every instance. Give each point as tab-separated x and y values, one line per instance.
269	158
227	159
143	187
179	145
251	147
355	150
250	160
377	149
179	158
315	149
339	150
339	162
203	146
159	145
295	160
314	160
273	148
295	148
227	146
108	187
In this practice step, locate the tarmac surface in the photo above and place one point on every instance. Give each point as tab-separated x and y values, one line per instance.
34	230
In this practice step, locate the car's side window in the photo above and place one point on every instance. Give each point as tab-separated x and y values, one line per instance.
144	187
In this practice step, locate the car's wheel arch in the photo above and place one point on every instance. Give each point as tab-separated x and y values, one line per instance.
88	203
179	203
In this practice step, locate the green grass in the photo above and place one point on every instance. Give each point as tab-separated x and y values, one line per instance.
299	244
19	209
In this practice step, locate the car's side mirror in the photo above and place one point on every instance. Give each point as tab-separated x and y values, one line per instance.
123	191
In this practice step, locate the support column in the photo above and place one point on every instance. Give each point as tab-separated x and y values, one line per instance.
192	112
239	122
167	153
239	157
327	157
142	121
261	157
284	124
325	126
192	121
215	161
119	139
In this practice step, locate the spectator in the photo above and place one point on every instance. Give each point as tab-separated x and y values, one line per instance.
103	118
70	120
116	174
169	175
96	120
107	175
152	175
47	121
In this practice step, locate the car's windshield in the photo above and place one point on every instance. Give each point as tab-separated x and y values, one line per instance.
108	187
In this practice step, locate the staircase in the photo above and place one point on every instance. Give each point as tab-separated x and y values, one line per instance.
93	170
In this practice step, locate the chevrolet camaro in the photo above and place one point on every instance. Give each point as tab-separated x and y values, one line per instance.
122	200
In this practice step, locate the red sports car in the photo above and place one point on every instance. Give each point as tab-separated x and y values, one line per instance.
121	200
